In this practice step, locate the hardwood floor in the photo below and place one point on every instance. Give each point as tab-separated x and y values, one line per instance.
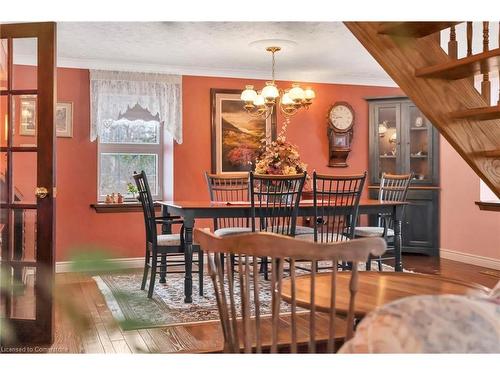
104	336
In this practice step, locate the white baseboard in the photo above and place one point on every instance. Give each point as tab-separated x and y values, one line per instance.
476	260
126	263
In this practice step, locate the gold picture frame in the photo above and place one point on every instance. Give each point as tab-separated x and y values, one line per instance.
236	135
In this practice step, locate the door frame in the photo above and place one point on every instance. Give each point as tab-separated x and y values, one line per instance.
41	329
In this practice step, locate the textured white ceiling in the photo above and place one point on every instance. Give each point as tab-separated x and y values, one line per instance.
324	51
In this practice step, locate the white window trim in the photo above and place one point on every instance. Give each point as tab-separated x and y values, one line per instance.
157	149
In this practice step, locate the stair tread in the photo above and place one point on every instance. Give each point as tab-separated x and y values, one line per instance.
413	29
487	154
462	68
480	113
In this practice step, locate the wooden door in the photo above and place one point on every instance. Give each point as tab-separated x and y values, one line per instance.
27	96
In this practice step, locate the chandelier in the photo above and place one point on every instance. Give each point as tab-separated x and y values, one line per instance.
261	103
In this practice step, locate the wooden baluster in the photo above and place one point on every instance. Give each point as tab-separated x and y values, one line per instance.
469	44
486	84
469	39
452	44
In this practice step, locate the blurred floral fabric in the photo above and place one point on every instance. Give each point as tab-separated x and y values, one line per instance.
431	324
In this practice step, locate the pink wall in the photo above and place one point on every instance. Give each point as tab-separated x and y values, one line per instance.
307	129
464	227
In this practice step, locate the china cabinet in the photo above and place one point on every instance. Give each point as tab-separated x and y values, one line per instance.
402	140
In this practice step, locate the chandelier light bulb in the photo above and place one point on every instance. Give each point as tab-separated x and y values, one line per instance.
286	100
296	93
259	100
249	94
270	91
309	93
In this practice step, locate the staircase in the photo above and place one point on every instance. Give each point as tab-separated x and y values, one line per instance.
442	85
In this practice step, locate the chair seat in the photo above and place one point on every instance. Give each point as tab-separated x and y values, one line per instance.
169	240
310	238
372	232
300	230
231	231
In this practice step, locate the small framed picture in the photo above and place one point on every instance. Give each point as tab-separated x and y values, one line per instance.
27	124
64	119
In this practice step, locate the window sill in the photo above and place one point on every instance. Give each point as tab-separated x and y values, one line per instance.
489	205
102	208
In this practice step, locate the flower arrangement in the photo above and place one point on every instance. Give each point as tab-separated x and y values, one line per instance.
279	157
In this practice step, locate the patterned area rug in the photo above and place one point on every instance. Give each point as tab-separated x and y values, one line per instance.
133	310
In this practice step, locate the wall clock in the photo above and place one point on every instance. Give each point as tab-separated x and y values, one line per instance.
340	132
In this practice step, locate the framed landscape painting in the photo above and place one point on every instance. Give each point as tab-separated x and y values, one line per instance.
236	135
64	119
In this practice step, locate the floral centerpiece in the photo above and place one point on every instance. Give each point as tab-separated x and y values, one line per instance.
279	157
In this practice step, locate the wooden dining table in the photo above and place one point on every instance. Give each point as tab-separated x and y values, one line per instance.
374	289
203	209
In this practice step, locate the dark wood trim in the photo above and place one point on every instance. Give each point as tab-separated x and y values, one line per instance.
489	205
19	149
110	208
19	92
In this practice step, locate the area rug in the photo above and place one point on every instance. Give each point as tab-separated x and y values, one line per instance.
133	310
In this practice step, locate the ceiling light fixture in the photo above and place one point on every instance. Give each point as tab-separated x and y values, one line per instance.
261	103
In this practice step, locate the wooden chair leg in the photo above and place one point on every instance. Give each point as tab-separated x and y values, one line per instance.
369	264
163	269
222	262
146	270
233	262
265	268
153	277
200	270
379	261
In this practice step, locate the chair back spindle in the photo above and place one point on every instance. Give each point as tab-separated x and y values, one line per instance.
393	188
336	202
243	323
277	197
225	188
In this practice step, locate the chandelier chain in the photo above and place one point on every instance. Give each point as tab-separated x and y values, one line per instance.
274	63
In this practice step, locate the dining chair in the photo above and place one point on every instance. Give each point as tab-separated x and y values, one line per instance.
225	188
277	199
392	188
336	202
244	301
160	246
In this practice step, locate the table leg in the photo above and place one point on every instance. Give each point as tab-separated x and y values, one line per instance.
165	229
188	258
397	216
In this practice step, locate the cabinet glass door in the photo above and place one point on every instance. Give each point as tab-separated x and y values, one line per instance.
420	144
387	117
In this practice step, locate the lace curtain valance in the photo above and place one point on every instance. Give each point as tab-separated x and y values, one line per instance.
111	93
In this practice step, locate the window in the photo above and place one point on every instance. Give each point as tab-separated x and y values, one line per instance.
133	142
